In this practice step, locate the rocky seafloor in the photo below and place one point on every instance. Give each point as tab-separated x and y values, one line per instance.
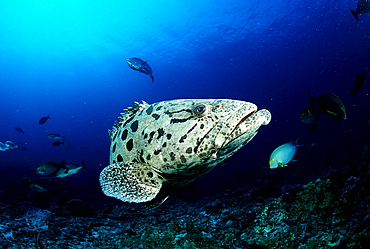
275	210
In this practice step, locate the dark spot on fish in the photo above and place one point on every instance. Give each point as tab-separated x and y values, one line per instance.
145	135
183	159
142	159
152	181
180	120
119	158
114	161
150	174
151	137
172	155
158	108
124	135
202	126
164	144
134	126
156	152
149	110
169	136
130	144
182	138
192	128
160	133
148	157
114	147
164	159
155	116
128	121
189	150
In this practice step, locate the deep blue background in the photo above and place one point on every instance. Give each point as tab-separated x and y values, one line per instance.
67	59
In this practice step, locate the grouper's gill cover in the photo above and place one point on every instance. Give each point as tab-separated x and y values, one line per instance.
156	148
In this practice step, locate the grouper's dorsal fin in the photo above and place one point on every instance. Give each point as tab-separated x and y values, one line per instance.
130	182
127	114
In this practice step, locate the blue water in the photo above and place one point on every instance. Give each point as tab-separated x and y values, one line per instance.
67	59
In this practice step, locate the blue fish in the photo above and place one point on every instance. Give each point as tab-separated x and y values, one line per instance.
141	66
283	154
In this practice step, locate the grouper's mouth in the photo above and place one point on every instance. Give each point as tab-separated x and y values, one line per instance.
242	129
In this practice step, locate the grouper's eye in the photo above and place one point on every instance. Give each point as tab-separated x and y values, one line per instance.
200	110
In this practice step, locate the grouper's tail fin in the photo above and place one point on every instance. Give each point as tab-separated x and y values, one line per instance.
355	14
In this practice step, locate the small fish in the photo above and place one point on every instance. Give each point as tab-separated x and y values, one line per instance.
141	66
19	129
283	154
57	143
24	148
54	136
37	187
11	145
44	119
330	104
50	168
3	147
310	115
70	169
363	6
359	82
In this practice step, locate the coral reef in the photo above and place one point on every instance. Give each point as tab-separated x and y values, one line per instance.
330	211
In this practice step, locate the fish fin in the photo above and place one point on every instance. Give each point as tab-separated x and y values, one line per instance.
313	100
152	77
353	94
130	182
313	127
62	164
144	63
161	197
83	164
296	142
282	165
355	15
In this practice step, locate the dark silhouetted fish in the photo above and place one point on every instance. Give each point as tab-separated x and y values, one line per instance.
19	129
44	119
330	104
141	66
359	82
363	6
310	115
57	143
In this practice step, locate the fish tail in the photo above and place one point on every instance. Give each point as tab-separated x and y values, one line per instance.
353	94
313	101
152	77
83	164
355	15
296	142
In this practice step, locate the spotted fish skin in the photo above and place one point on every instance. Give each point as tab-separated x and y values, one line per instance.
156	148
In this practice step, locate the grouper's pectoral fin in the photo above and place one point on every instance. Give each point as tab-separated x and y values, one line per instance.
160	198
130	182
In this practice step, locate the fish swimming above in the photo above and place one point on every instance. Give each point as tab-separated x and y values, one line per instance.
310	115
54	136
44	119
70	169
363	6
359	82
283	154
141	66
11	145
159	147
3	147
19	129
50	168
330	104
